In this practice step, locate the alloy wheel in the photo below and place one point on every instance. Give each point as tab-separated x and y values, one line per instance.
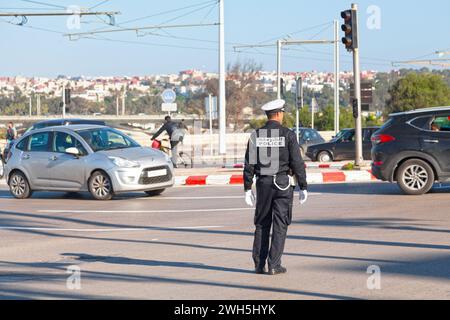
101	186
415	177
18	185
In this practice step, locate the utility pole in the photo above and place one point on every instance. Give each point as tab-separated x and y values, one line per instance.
351	41
222	89
117	104
279	47
64	101
336	78
123	100
24	16
357	74
298	104
30	106
38	105
210	102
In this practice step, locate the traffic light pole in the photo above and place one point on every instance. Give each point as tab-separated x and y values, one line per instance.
279	46
222	83
336	78
298	104
358	120
64	101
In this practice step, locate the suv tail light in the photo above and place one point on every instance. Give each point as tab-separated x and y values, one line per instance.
382	138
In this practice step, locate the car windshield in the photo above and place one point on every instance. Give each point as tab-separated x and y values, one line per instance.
102	139
340	135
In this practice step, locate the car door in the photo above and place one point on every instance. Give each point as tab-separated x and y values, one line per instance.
345	147
35	160
436	141
68	171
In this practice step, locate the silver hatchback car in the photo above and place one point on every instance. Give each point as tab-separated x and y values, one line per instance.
91	158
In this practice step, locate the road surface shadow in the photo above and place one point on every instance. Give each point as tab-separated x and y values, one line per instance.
376	223
151	263
429	266
210	232
384	189
5	194
15	291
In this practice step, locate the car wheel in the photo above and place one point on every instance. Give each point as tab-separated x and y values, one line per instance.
100	186
324	156
415	177
19	186
153	193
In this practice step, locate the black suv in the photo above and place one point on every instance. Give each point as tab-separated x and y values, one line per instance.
413	149
341	147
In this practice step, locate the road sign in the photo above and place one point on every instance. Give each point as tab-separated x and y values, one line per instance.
366	92
169	107
169	96
211	110
314	107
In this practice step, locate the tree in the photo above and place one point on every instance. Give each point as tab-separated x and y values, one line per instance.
241	90
418	91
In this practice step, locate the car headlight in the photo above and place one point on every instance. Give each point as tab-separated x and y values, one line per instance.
124	163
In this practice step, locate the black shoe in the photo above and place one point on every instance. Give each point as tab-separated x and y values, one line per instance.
260	270
277	270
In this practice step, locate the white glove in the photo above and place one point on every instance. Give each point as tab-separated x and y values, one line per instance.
249	198
303	196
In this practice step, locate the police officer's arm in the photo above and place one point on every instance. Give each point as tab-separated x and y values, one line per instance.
158	133
296	163
249	169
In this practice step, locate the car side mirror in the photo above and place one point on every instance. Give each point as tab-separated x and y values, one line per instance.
73	151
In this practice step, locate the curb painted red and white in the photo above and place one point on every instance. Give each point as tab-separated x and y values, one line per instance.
237	179
313	178
307	165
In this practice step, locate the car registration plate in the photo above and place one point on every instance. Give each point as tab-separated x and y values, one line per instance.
156	173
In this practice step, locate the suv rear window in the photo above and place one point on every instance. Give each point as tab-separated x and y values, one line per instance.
422	123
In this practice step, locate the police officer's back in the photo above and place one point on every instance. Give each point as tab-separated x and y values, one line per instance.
273	156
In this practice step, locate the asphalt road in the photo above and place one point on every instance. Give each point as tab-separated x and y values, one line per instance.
195	242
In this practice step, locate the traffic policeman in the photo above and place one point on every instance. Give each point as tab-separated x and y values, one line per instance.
273	157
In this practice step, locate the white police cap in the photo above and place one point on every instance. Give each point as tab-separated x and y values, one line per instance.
274	105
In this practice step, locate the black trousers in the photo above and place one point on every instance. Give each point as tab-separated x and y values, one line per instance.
273	208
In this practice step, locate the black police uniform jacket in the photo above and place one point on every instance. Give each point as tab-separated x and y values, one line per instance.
289	158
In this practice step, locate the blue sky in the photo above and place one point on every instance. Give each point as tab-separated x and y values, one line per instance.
31	52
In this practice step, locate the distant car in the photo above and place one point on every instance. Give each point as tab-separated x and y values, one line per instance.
308	137
91	158
413	149
63	122
341	147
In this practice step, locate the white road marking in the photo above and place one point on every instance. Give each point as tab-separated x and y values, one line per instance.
106	230
185	198
146	211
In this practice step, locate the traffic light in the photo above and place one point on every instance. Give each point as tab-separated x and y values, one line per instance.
355	108
67	96
282	88
350	28
299	92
